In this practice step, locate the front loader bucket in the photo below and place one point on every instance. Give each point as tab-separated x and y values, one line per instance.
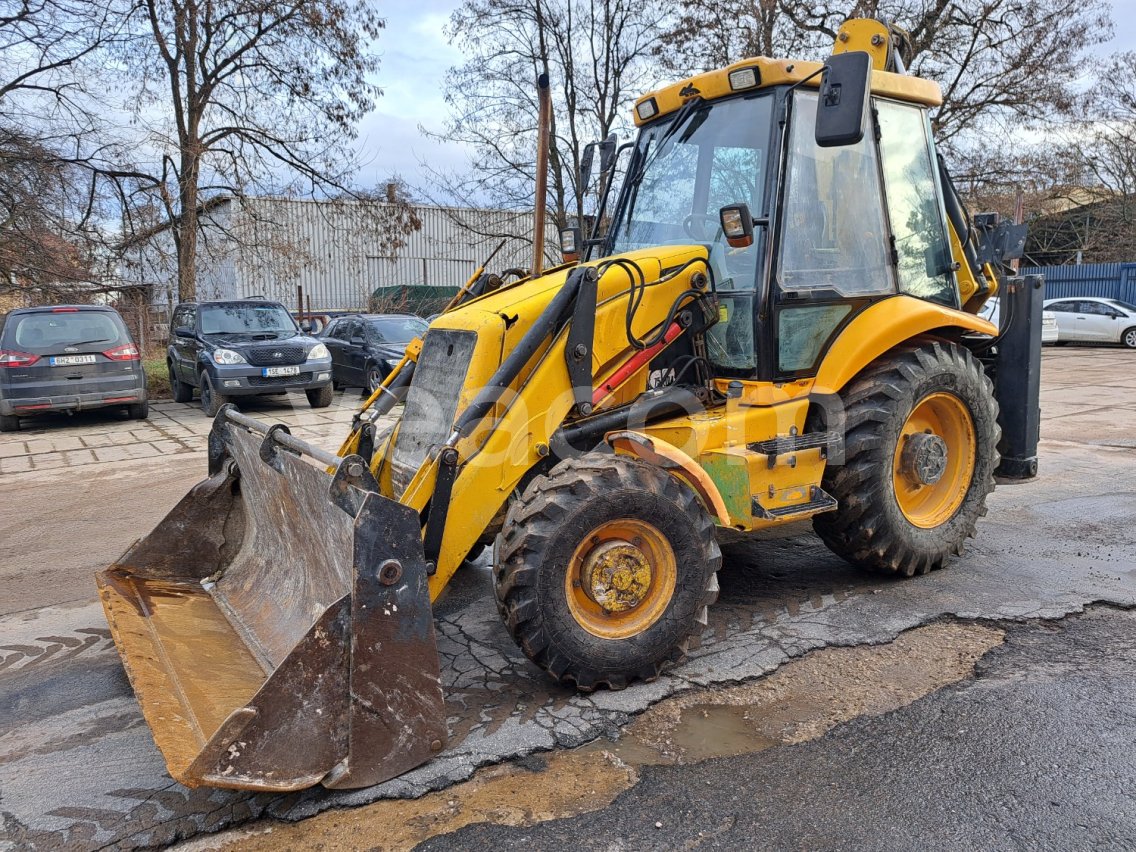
276	625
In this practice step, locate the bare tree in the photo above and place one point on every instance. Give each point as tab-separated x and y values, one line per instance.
49	145
597	54
241	96
998	61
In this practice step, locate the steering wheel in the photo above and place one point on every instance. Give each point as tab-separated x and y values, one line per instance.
702	218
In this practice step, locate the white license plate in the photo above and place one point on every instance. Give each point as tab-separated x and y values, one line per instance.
71	360
270	372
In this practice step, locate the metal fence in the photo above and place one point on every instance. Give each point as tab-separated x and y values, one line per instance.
1103	280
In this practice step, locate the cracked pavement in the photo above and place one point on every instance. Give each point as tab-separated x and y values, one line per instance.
78	769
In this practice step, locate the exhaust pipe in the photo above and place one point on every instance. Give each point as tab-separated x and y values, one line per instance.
543	131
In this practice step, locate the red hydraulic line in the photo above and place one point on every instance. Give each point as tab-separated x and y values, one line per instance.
633	364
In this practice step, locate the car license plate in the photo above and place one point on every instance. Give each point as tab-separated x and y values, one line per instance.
71	360
270	372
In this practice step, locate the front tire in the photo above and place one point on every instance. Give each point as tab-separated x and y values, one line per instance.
320	397
921	438
1128	338
375	377
211	401
604	569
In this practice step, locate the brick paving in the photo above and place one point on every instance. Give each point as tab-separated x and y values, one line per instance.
101	437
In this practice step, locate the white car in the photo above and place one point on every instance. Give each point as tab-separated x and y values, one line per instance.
1094	320
1048	320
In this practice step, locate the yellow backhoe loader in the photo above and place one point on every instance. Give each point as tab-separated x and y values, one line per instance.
774	321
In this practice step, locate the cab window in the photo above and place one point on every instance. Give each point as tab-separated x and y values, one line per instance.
918	222
833	230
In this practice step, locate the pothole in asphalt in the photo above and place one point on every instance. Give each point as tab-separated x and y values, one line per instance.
801	701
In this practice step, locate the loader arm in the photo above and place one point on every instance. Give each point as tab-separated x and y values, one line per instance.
506	434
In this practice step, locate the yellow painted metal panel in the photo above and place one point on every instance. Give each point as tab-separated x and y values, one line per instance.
774	72
884	326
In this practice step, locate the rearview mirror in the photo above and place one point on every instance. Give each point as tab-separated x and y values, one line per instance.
843	103
586	164
607	153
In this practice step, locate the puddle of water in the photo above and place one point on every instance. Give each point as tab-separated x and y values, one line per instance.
802	700
718	730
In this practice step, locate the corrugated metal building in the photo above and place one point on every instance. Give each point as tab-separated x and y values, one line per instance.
340	252
1103	280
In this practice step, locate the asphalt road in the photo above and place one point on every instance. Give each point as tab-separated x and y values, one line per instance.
78	769
1037	751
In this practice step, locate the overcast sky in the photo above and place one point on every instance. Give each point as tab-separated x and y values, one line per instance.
415	59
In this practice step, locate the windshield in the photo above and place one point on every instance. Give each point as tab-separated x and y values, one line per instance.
400	330
246	319
1125	305
714	157
699	161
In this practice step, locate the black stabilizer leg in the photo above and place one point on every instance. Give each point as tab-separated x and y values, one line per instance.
1017	381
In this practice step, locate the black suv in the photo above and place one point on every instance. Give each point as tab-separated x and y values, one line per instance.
67	358
243	348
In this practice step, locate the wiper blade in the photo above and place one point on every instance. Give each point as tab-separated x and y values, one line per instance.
681	117
96	340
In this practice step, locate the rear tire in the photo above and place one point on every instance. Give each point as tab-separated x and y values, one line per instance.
1128	338
180	391
140	410
320	397
920	448
211	401
9	423
604	569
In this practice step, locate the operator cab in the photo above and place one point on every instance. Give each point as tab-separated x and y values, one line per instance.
838	223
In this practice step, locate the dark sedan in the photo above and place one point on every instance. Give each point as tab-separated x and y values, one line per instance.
366	347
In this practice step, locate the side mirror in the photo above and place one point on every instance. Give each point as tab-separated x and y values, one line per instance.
737	225
183	331
586	164
306	327
357	341
607	153
844	92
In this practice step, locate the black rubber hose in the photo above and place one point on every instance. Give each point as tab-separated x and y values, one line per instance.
551	319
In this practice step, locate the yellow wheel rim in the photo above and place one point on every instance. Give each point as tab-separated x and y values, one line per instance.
934	460
621	578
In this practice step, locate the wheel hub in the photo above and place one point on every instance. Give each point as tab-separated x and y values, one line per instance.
616	575
924	458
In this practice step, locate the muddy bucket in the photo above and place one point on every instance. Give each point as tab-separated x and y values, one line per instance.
276	625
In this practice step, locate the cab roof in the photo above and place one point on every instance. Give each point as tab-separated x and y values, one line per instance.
774	72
